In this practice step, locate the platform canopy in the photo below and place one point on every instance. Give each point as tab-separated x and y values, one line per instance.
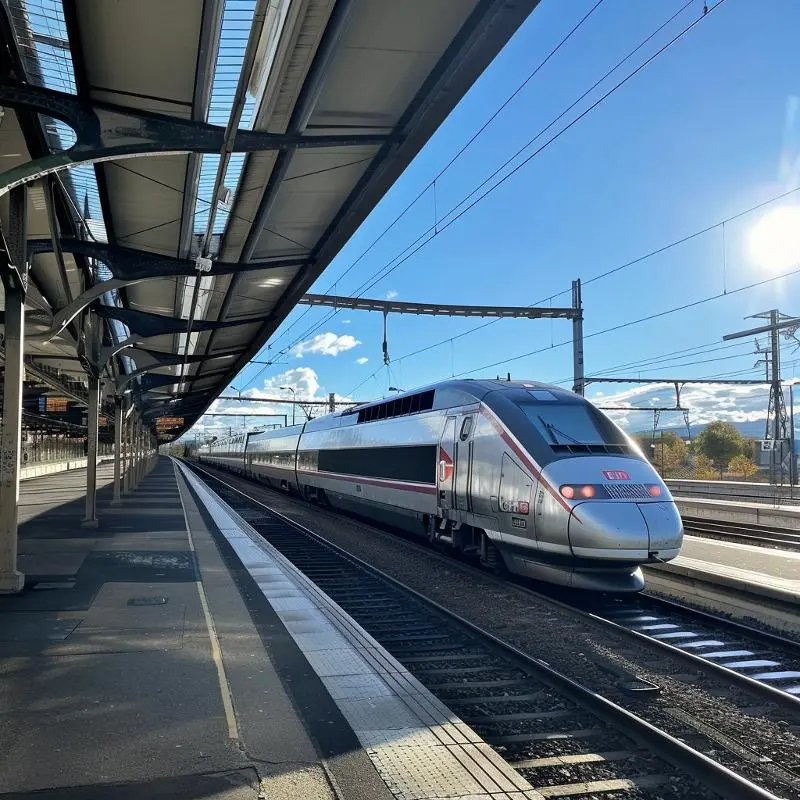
188	168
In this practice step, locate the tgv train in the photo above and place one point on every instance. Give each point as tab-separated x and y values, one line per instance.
524	475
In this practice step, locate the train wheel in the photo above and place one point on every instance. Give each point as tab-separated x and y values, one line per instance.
430	530
492	558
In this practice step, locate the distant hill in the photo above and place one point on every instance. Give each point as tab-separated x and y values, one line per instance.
750	430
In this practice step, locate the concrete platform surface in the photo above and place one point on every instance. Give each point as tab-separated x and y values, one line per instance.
150	658
121	674
752	568
738	511
420	748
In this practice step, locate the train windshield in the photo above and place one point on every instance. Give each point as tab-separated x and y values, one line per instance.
565	424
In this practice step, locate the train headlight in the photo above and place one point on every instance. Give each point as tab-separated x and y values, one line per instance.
654	490
583	491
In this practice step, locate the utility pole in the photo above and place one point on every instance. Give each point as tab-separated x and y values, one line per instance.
577	339
777	425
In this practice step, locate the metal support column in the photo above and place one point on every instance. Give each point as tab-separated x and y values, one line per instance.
137	477
14	274
578	383
792	460
118	423
92	423
129	454
135	454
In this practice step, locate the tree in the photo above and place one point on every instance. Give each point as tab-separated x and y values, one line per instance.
704	469
670	453
720	442
742	465
667	452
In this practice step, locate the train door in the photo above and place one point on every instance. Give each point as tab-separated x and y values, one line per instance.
446	465
463	463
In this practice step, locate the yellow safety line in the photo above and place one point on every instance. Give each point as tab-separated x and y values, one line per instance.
216	652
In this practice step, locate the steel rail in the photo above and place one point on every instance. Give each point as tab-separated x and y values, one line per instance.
745	682
709	772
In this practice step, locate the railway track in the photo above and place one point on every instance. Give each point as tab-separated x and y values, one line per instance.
565	738
755	660
743	532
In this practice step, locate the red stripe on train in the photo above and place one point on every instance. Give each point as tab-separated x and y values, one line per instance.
506	436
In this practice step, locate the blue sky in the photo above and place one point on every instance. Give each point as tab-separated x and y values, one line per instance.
708	129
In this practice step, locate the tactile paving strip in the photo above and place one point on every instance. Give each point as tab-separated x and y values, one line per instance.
420	748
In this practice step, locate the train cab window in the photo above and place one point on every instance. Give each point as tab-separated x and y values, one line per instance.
466	429
566	424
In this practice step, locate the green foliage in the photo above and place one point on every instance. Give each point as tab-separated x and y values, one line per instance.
720	442
742	465
704	469
669	453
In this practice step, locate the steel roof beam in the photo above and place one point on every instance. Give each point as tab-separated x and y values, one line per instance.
105	132
64	317
203	80
468	52
150	382
130	264
436	309
304	107
146	324
153	359
161	360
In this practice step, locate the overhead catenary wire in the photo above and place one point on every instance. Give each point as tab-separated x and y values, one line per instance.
607	273
629	323
438	227
422	241
476	135
666	359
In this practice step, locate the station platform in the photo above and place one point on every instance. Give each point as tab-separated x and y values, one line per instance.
774	574
171	652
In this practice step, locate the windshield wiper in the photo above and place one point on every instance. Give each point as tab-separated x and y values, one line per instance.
552	430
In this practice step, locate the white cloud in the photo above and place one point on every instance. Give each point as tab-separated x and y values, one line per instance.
391	294
304	381
325	344
705	402
362	360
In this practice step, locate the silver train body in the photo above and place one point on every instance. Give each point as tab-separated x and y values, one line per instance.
522	474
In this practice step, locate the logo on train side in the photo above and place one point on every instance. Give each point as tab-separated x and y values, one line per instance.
616	475
515	506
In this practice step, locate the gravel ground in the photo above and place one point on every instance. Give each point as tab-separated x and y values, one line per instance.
714	721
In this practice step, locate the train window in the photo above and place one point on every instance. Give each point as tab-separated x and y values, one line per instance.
542	394
466	428
411	404
570	424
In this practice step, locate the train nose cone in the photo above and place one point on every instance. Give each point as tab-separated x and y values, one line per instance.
599	529
665	529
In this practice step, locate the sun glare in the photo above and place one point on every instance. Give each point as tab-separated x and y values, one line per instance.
775	240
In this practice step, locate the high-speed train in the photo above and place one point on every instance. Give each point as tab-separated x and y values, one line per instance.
526	476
